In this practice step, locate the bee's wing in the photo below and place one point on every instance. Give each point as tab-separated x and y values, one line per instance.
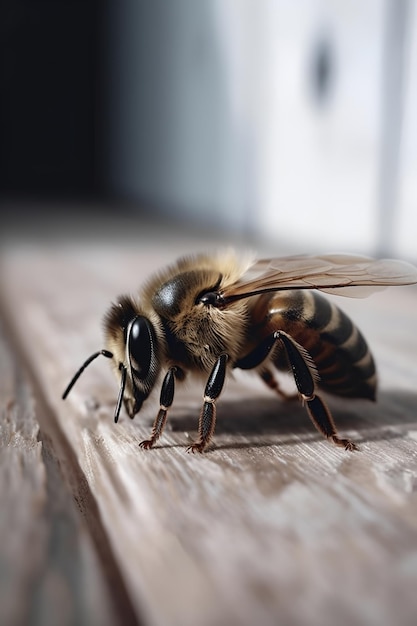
354	276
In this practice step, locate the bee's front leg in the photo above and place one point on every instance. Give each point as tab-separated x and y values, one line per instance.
207	421
166	399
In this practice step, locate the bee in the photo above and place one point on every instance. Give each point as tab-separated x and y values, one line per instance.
209	314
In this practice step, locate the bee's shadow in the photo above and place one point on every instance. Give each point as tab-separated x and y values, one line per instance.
393	413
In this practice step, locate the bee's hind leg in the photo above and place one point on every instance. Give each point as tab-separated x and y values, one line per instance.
303	368
304	372
323	421
270	380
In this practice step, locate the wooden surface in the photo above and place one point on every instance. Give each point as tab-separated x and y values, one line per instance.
272	526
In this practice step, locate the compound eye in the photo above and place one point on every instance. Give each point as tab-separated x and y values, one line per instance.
141	346
211	298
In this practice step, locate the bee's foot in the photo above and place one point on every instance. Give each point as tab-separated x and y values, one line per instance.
347	444
196	447
147	444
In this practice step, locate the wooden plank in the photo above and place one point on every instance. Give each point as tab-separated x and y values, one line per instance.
273	525
49	571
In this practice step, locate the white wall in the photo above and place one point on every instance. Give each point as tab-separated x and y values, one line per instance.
317	181
404	236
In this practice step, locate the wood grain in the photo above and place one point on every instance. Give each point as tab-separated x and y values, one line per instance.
273	524
49	571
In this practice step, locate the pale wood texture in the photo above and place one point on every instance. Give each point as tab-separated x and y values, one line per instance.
271	526
49	570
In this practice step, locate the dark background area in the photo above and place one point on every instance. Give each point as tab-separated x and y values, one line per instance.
51	134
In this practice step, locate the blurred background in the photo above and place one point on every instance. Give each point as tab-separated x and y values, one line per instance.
283	120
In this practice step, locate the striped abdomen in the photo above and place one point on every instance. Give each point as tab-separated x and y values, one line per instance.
340	352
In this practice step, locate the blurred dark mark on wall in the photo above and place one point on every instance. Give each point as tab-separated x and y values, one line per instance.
322	70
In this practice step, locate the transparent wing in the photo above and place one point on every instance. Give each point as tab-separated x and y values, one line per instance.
354	276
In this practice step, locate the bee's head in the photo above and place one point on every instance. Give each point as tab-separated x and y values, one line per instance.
132	345
132	340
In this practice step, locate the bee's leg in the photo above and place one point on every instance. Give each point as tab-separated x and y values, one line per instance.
322	419
166	399
270	380
304	379
212	391
256	357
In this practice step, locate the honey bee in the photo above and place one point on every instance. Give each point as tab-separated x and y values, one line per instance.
209	314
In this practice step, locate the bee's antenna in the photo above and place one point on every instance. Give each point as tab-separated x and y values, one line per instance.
122	368
76	376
